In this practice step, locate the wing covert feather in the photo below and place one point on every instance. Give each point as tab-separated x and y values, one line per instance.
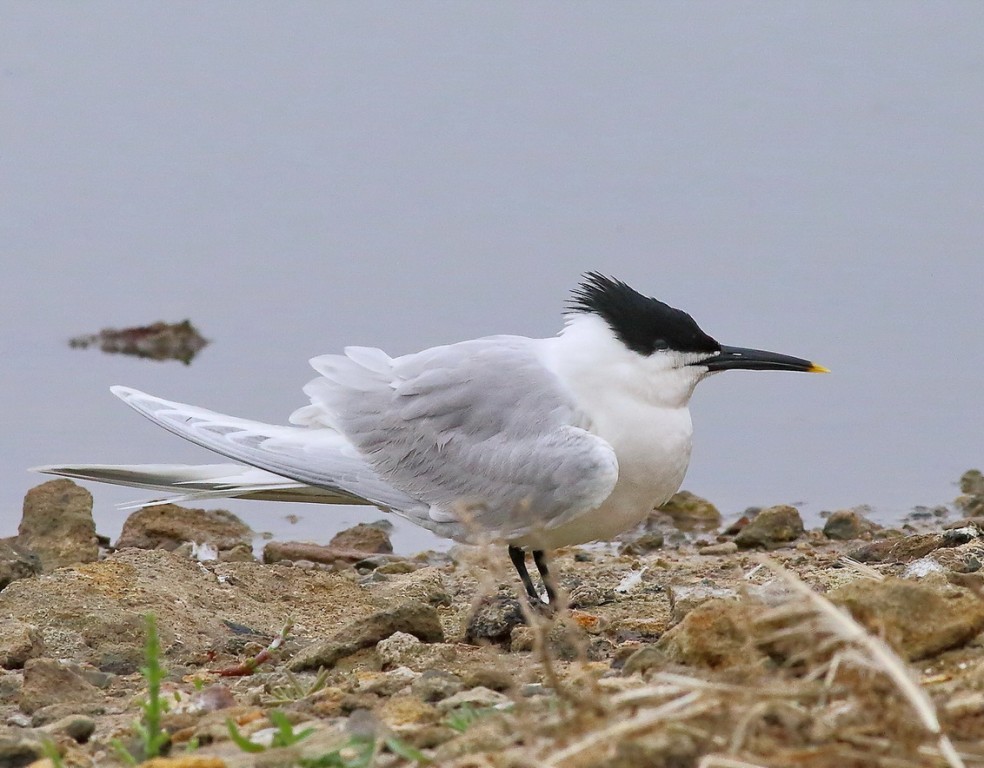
481	431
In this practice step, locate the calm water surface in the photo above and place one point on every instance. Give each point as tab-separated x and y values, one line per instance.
803	177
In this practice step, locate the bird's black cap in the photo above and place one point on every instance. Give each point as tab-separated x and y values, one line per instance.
642	323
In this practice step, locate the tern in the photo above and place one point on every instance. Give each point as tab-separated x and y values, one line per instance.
531	443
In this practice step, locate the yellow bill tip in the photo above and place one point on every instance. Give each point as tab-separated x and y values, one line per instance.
814	368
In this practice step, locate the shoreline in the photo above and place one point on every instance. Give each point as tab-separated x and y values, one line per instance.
680	646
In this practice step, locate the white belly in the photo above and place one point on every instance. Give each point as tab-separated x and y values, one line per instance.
653	451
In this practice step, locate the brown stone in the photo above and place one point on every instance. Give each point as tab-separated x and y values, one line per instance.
908	548
771	527
47	682
413	617
16	561
918	618
168	526
57	524
847	524
715	634
363	538
691	513
18	643
295	551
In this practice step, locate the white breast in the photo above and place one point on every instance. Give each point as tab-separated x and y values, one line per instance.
638	405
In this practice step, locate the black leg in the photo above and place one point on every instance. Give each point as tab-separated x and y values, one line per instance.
518	557
540	558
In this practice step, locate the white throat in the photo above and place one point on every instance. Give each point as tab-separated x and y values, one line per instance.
595	364
638	404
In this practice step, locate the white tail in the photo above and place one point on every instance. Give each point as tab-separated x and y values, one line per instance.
312	464
191	482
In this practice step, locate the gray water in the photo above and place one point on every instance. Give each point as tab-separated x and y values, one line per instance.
803	177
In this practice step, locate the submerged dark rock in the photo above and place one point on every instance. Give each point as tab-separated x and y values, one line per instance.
157	341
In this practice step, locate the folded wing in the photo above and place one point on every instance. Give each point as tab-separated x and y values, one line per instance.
480	431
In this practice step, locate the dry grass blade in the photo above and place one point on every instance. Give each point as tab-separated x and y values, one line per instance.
861	569
721	761
683	683
681	708
839	624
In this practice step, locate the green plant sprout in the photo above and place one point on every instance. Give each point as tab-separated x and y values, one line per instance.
153	738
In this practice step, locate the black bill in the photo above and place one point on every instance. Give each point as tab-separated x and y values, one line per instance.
758	360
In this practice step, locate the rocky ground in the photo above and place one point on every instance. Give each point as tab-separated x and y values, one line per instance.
763	644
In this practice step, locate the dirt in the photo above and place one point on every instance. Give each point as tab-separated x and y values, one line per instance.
775	650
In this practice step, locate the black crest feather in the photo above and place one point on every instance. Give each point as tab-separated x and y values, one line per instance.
642	323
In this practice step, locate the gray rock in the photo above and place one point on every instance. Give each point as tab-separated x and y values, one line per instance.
19	720
388	566
57	524
493	620
588	595
168	526
413	617
16	561
498	677
771	526
55	712
398	649
567	640
436	685
645	658
241	553
18	643
425	585
921	568
643	544
722	548
972	482
18	748
77	727
10	685
971	500
389	683
48	682
478	698
662	748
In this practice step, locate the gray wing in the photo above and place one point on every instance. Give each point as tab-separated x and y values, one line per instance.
317	457
480	431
